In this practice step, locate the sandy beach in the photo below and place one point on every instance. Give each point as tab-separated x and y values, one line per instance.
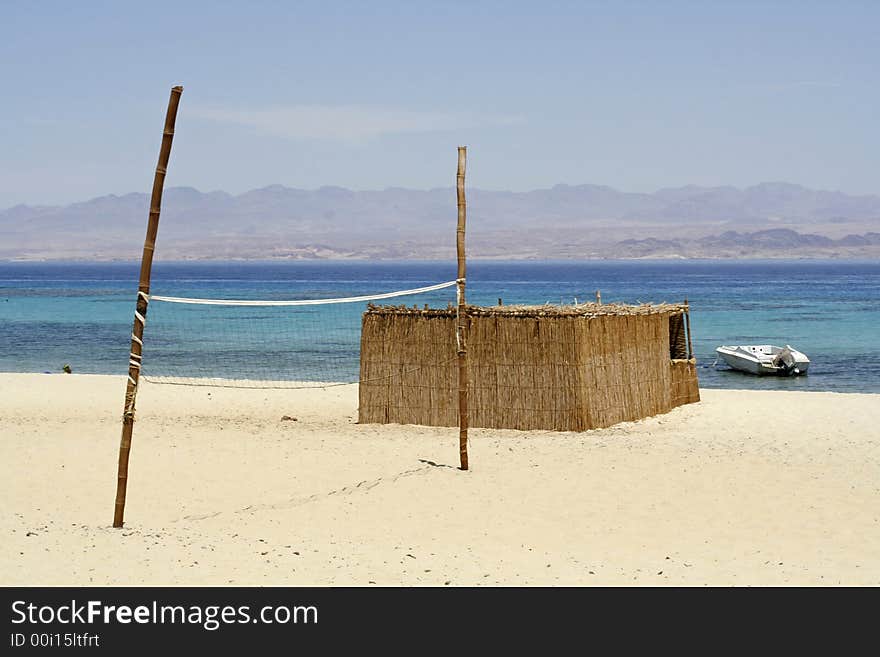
744	488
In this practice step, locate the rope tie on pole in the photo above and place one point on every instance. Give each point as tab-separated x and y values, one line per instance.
135	360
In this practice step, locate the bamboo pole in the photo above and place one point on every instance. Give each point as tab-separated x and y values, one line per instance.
461	313
687	322
140	315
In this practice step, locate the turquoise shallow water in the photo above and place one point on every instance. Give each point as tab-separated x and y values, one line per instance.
52	314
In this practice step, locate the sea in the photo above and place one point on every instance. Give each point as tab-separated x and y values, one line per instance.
80	314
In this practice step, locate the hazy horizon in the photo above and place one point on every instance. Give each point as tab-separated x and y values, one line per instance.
451	186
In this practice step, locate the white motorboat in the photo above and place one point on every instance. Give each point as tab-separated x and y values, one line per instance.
765	359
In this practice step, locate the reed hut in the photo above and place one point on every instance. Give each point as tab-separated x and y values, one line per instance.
564	368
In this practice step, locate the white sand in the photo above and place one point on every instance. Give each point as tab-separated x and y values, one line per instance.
743	488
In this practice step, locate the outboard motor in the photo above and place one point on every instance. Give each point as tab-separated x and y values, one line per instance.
785	361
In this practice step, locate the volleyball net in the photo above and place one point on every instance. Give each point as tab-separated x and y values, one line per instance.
249	343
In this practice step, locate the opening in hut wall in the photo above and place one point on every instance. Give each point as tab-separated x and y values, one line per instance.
677	337
566	368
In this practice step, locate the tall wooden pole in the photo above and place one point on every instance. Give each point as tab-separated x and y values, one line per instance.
140	315
461	313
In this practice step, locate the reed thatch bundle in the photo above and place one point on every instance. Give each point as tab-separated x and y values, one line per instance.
567	368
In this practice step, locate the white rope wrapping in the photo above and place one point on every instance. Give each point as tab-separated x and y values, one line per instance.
302	302
134	360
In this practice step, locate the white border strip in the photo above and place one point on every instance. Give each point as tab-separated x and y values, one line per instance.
302	302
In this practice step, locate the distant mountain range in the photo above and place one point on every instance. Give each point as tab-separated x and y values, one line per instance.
774	242
583	221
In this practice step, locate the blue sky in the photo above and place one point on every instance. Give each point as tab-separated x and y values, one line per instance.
636	95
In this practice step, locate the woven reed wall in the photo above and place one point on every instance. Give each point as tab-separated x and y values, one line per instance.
408	369
564	372
685	389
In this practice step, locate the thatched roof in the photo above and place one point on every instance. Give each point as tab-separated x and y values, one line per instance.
547	310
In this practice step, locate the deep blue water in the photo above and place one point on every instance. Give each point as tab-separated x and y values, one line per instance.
81	314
